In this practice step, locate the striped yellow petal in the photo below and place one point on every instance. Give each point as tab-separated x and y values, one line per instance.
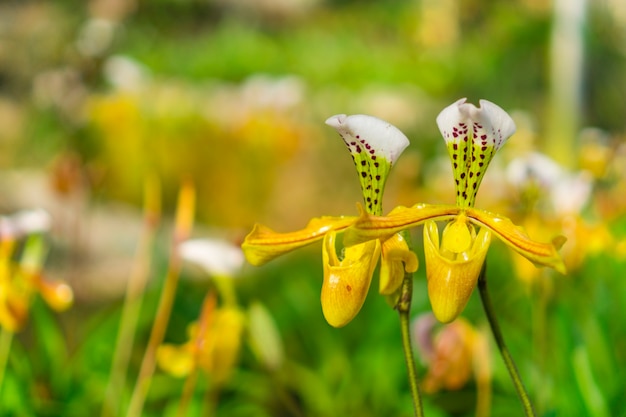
541	254
263	244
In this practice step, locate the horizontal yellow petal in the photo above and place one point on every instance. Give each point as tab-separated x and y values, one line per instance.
263	244
368	227
544	254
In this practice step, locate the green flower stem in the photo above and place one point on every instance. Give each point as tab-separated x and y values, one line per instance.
6	337
161	320
133	300
188	390
182	230
404	310
504	351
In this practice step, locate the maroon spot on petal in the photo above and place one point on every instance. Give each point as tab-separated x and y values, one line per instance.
358	149
364	174
373	157
456	165
455	146
454	156
377	190
363	162
376	164
378	177
462	175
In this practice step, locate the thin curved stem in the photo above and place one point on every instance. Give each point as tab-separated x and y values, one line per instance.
404	308
182	230
504	351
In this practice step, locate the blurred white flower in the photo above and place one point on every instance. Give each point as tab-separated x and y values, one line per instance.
568	192
216	257
125	73
536	168
96	37
32	221
25	222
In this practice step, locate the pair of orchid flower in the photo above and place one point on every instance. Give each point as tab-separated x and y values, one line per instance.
453	261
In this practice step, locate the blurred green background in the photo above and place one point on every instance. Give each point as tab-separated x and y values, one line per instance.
97	97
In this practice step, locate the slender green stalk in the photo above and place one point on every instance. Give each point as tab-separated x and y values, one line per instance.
404	308
133	300
6	337
208	308
188	390
504	351
182	230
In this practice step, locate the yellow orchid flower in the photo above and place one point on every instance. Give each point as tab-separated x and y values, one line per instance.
374	145
21	279
213	346
453	264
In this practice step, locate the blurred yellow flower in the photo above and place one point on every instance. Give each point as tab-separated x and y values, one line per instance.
213	345
21	280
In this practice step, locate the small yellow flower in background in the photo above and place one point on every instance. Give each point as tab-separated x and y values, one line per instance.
21	280
213	345
374	145
454	260
215	339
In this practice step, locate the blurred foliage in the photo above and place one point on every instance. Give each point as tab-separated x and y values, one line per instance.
96	96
